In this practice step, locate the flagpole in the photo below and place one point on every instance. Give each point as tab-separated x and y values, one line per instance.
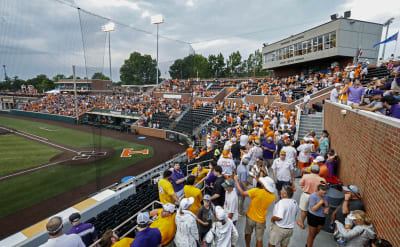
395	46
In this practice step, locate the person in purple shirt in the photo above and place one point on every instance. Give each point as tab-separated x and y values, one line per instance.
146	236
269	148
317	210
393	108
178	179
356	93
84	230
210	179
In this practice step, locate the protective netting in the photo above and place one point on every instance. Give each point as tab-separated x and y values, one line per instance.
49	36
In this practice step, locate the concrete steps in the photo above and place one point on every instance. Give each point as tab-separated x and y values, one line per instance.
311	122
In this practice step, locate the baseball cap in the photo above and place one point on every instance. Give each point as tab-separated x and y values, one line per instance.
228	183
377	92
74	217
220	213
169	207
246	160
225	153
233	140
352	188
269	138
257	142
143	218
315	169
207	197
283	152
319	159
268	183
186	203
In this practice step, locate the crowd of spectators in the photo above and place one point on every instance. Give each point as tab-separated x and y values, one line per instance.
380	95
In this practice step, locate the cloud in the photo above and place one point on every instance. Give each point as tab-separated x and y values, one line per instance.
190	3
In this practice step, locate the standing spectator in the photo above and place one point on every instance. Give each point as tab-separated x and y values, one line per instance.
57	238
304	153
317	210
223	232
323	169
178	179
392	106
227	164
85	230
352	201
331	163
283	171
243	174
166	192
244	139
199	172
306	104
255	152
231	200
146	236
269	148
261	198
235	150
204	217
192	191
324	143
355	94
362	232
309	183
218	193
187	234
165	222
283	219
210	178
291	152
335	94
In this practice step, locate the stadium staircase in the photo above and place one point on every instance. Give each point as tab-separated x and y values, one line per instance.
311	122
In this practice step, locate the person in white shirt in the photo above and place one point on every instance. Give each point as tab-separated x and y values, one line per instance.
227	164
222	233
187	233
255	152
283	172
231	200
283	219
335	94
306	103
244	139
352	75
57	239
291	152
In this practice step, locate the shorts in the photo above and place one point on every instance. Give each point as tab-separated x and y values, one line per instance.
303	165
268	162
314	220
304	201
251	224
280	184
278	235
349	103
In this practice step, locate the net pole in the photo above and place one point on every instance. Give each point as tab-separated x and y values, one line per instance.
76	98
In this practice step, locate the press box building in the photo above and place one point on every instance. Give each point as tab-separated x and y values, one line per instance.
317	48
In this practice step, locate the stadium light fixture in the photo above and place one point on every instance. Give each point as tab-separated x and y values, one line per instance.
108	28
334	17
157	19
347	14
386	24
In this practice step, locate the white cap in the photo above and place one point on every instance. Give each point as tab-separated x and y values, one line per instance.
268	183
186	203
319	159
169	207
220	213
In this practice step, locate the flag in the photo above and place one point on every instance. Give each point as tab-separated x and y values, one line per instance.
391	38
359	53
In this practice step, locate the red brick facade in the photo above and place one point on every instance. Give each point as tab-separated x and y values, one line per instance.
369	151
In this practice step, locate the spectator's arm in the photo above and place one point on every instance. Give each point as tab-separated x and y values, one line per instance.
317	206
153	212
215	196
275	218
353	233
175	197
241	192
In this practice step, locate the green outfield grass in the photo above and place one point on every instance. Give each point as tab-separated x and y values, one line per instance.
18	153
26	190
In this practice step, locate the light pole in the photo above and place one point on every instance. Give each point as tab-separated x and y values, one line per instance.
157	19
108	28
387	23
5	72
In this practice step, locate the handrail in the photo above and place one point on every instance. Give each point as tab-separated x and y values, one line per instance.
296	136
195	164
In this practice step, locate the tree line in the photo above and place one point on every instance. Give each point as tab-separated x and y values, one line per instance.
141	69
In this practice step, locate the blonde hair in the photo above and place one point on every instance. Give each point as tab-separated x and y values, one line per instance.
361	215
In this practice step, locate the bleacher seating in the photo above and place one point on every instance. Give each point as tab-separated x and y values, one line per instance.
193	119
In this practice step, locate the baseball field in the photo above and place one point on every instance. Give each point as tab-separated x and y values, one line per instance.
36	161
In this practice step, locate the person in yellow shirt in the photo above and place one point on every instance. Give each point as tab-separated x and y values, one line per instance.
110	239
191	191
199	172
166	192
261	198
165	222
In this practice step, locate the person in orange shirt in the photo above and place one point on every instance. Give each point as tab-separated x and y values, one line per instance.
189	152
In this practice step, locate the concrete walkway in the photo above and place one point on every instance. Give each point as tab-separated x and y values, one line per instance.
299	238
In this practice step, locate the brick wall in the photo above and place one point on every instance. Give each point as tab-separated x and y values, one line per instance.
260	99
369	151
149	131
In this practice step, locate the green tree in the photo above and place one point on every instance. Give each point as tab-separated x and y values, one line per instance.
212	65
100	76
58	77
220	67
41	82
176	69
233	63
201	66
139	69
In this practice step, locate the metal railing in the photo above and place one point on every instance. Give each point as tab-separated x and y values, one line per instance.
296	136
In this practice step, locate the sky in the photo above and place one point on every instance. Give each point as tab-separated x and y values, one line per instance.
45	36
